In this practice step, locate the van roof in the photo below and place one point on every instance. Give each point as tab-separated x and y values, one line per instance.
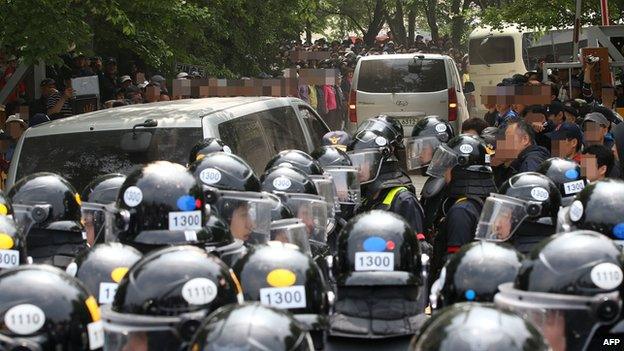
177	113
403	56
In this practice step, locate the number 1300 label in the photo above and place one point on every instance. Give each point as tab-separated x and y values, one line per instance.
374	261
184	220
288	297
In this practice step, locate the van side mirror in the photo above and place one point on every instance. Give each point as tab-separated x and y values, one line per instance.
469	87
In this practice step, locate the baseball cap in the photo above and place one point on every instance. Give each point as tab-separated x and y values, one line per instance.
566	130
338	139
571	110
596	117
555	108
123	79
14	118
47	81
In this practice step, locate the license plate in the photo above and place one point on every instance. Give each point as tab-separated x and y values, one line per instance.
573	187
185	220
287	297
407	121
374	261
9	258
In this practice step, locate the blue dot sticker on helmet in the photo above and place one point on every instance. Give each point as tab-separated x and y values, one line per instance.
374	244
618	230
470	295
572	174
186	203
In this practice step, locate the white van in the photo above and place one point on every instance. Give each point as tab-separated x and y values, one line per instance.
407	87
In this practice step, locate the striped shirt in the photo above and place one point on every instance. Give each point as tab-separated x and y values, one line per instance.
66	110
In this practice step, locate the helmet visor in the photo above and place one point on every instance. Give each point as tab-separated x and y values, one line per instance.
291	231
500	217
325	187
420	151
443	159
346	183
247	213
368	164
312	211
94	220
566	321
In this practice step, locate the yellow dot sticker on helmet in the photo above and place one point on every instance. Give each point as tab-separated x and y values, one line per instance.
3	210
199	157
118	273
280	278
6	241
78	200
93	308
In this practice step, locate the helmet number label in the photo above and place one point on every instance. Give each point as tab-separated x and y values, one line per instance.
199	291
539	194
96	335
466	148
185	220
606	275
282	183
440	128
573	187
210	176
133	196
9	258
24	319
107	293
374	261
284	297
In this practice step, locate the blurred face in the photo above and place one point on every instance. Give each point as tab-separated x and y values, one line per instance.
511	145
594	133
532	117
304	213
15	130
553	330
241	224
426	155
564	148
502	224
89	228
590	169
502	108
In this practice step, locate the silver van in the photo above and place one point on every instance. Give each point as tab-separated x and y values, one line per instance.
83	147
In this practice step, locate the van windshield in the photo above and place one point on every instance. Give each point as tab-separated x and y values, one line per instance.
80	157
393	76
491	50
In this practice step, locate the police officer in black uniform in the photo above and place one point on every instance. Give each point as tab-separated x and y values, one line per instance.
568	287
567	176
161	302
281	276
427	135
47	209
464	164
523	213
95	196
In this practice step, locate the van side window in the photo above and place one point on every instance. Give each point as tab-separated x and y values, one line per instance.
316	127
283	130
245	136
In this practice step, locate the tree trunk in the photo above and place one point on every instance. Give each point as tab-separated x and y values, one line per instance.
432	20
308	32
411	27
397	24
375	26
457	23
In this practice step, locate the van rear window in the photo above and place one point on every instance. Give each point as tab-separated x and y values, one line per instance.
80	157
490	50
393	76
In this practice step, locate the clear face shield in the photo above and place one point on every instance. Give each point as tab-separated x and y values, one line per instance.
346	183
443	159
420	151
125	332
312	211
325	187
247	213
500	217
568	322
368	163
94	220
291	231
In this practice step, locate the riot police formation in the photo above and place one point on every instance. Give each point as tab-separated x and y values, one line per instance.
328	250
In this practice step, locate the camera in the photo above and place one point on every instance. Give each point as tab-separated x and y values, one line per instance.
592	59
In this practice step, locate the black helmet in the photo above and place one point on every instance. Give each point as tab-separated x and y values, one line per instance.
464	151
433	126
5	205
474	273
12	244
329	156
206	147
251	326
162	204
377	248
46	309
568	286
166	295
566	174
101	268
368	150
297	159
281	276
288	180
474	326
226	172
388	126
102	191
598	207
47	209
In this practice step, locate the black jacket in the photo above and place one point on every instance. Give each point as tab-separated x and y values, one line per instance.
528	160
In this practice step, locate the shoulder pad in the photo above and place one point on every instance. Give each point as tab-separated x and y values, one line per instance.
433	186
